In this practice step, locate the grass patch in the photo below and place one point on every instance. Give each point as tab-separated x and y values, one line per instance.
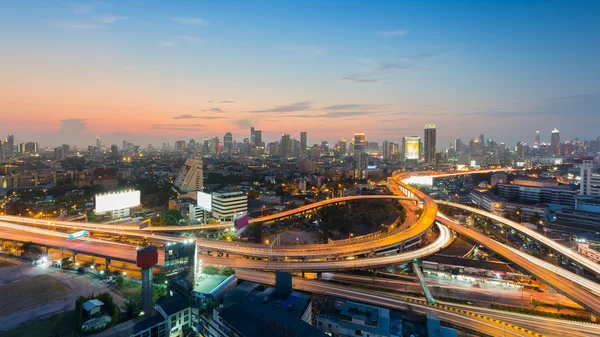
134	290
4	263
57	325
30	293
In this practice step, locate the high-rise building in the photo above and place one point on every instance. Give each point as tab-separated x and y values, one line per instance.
252	135
214	146
98	144
59	155
429	145
31	147
285	147
303	144
386	149
189	178
9	146
394	150
555	142
180	146
343	147
1	150
410	148
537	139
228	143
590	180
359	142
258	138
458	145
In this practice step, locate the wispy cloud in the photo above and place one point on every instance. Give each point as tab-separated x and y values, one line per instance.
392	33
189	21
345	114
356	78
390	67
178	127
343	106
79	25
167	44
306	50
79	9
225	101
298	106
111	18
187	38
187	116
216	110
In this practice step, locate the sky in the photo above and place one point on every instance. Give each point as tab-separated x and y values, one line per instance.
158	71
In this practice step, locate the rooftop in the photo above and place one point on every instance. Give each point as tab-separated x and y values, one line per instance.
91	304
147	322
173	304
207	284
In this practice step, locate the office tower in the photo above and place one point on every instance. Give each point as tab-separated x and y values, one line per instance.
189	178
386	149
66	149
114	151
98	144
31	147
359	142
458	145
9	146
555	142
394	150
429	146
303	144
590	181
252	135
324	147
228	143
258	138
59	154
343	147
537	138
1	150
214	145
285	147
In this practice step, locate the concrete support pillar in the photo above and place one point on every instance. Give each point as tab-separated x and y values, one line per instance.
74	257
47	251
302	274
319	276
593	317
107	262
147	305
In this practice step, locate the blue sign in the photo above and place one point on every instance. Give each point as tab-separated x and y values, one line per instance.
77	235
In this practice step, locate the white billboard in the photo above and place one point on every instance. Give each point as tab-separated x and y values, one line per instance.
116	201
205	201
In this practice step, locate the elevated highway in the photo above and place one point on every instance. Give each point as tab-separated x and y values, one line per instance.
566	252
563	285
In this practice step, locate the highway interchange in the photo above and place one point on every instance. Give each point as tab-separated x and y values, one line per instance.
343	256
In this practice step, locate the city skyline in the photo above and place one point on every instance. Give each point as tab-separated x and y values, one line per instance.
162	73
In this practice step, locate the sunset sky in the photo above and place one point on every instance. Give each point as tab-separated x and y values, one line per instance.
156	71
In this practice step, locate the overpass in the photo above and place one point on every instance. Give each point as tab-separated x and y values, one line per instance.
565	286
574	256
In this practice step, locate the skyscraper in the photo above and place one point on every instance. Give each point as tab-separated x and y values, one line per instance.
429	147
285	147
98	143
228	143
590	181
386	149
190	175
537	138
303	144
343	147
555	142
9	146
252	135
361	159
258	138
359	143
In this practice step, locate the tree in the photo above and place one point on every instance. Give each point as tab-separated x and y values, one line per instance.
31	249
119	280
255	231
228	271
535	303
160	278
131	309
173	217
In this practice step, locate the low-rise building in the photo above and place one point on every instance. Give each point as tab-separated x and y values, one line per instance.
171	316
227	205
344	318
